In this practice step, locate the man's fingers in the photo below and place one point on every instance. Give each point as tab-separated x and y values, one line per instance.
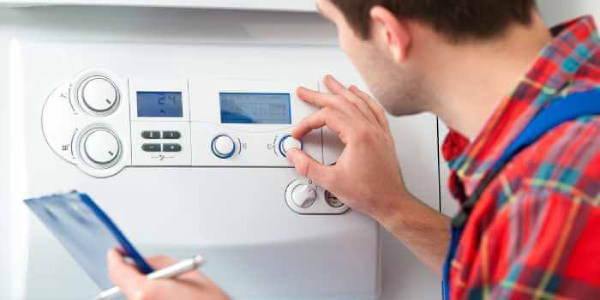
160	262
339	89
375	107
312	97
310	168
324	100
125	276
324	117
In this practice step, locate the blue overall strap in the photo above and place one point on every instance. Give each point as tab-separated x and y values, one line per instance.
561	111
556	113
454	241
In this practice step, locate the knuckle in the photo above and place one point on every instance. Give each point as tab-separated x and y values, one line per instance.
339	100
311	123
355	102
325	111
362	133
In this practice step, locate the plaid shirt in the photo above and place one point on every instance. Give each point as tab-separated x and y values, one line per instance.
535	232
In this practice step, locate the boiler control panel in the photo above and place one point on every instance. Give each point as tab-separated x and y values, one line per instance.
103	123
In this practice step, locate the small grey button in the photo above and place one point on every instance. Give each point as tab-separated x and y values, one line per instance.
332	200
171	135
151	135
172	148
151	147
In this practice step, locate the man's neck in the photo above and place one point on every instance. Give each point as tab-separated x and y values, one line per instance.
475	78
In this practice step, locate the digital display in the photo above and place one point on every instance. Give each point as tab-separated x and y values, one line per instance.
256	108
159	104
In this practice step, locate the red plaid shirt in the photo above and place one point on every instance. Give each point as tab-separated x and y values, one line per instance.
535	232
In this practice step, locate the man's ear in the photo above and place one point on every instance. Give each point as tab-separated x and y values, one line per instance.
390	33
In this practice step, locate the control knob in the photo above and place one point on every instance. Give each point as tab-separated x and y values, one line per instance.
223	146
304	195
99	95
288	142
102	147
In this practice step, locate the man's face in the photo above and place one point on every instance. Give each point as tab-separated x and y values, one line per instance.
395	85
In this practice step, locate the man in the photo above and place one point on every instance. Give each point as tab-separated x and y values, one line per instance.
487	68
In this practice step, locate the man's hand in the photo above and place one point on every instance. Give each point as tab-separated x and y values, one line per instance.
190	286
367	175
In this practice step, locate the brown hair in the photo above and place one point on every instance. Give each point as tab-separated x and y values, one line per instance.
456	19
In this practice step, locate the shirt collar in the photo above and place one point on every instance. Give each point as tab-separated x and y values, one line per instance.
552	74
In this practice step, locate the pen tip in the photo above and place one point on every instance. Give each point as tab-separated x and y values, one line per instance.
199	259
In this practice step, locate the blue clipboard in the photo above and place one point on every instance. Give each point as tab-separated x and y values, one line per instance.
87	233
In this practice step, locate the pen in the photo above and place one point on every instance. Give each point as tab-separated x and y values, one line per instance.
168	272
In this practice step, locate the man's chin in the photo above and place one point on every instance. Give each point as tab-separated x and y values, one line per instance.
402	111
406	104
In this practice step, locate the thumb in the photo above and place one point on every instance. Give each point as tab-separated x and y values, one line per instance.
160	262
309	167
123	275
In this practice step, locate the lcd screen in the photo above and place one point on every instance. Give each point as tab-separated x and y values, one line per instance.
159	104
255	108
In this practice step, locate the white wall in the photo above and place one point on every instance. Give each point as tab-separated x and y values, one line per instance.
553	12
556	11
4	258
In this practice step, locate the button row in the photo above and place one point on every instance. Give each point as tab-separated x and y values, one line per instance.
167	135
223	146
165	147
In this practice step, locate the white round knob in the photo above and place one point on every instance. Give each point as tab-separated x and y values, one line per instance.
102	147
304	195
288	143
223	146
99	95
